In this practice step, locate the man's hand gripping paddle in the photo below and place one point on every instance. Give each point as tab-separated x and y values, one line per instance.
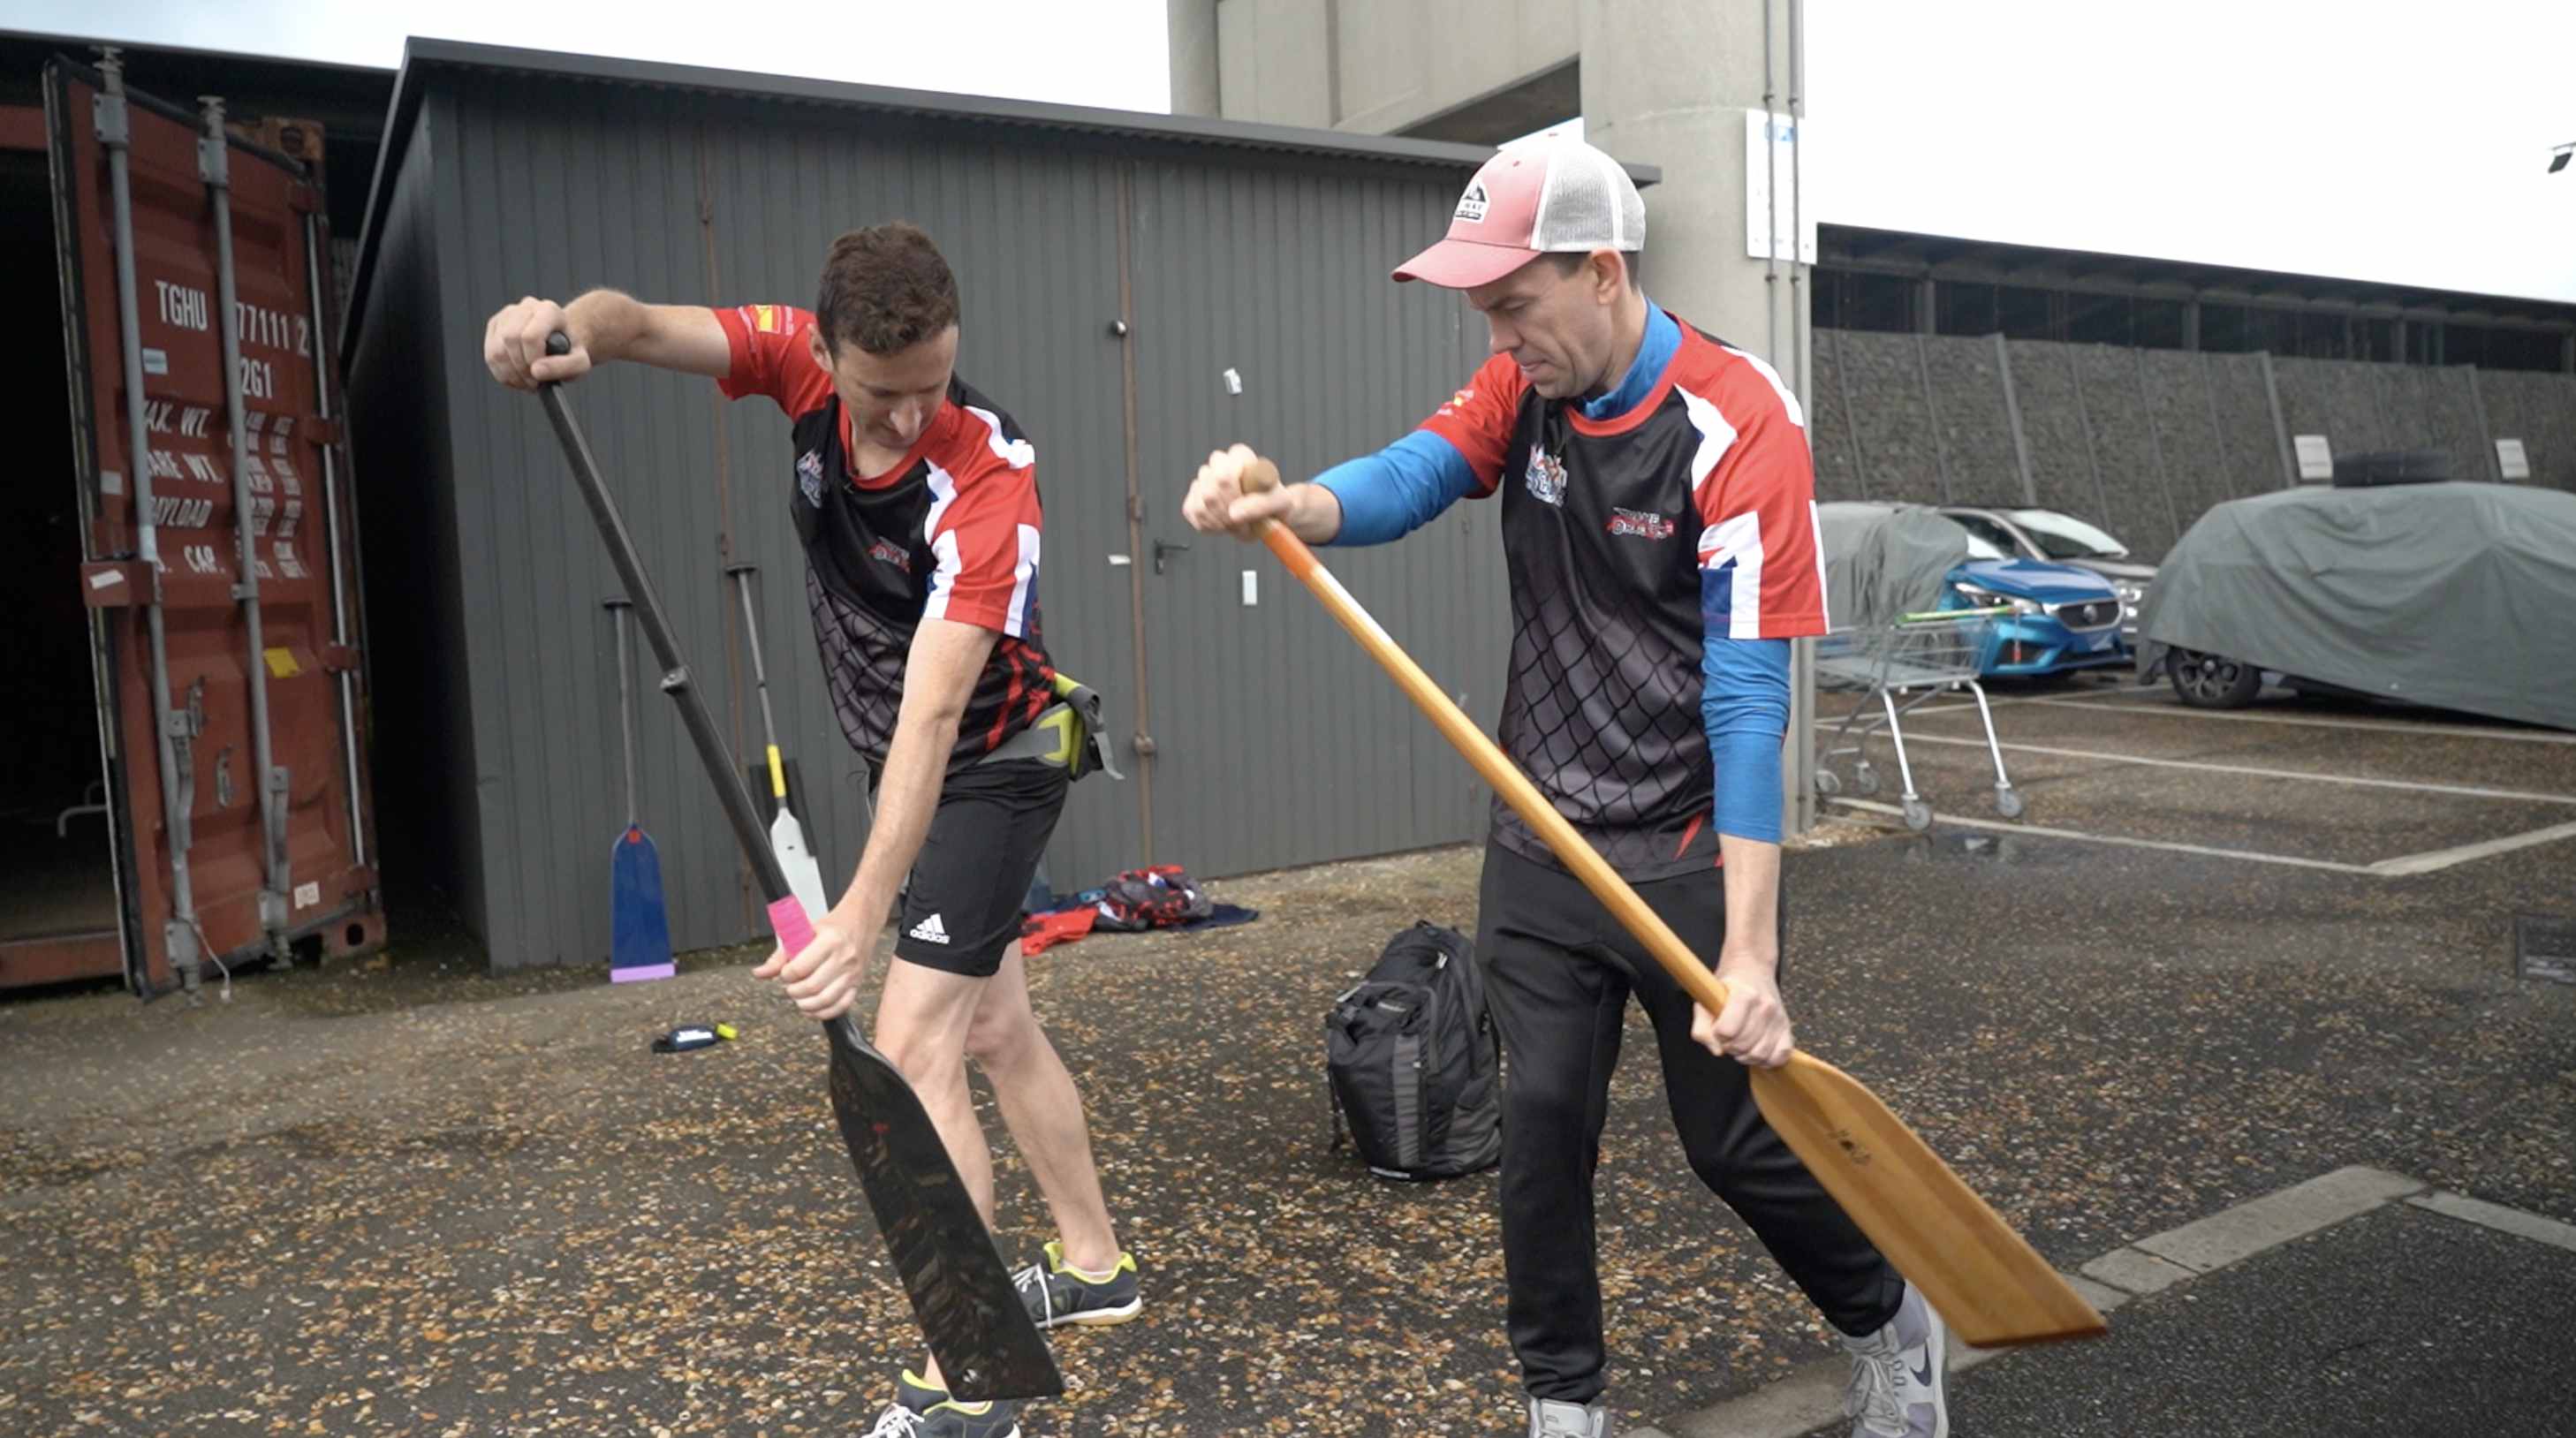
1991	1286
960	1289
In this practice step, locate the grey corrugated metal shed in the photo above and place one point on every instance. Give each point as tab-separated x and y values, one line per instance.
424	58
1219	245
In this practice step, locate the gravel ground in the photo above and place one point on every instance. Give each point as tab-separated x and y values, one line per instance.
400	1197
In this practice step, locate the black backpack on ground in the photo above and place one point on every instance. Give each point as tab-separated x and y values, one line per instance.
1414	1063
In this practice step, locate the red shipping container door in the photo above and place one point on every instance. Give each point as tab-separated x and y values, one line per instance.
216	571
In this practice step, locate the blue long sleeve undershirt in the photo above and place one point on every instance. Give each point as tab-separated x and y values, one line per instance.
1744	706
1388	495
1744	683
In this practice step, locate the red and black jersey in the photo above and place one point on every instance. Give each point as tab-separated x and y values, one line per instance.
950	533
1610	527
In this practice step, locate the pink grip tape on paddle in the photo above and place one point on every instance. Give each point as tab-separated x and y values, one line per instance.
787	920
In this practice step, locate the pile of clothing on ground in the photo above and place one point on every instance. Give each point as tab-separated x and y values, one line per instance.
1161	897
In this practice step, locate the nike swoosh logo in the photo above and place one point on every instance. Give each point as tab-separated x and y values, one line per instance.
1923	1375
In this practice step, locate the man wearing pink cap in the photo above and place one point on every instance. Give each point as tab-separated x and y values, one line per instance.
1658	524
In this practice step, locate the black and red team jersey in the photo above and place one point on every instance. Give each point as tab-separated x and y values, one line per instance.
950	533
1629	540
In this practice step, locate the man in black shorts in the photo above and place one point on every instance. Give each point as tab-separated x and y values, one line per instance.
917	502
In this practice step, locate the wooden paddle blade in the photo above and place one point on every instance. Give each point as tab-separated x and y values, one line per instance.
1990	1285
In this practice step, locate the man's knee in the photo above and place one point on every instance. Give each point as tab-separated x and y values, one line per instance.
1002	1040
923	1033
924	1059
1553	1108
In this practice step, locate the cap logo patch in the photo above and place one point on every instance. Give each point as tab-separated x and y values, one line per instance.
1471	205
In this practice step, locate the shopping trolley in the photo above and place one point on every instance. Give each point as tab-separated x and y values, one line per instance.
1894	668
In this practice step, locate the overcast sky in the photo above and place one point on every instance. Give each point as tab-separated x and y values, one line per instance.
2376	141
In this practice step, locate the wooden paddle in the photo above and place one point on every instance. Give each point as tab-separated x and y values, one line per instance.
1991	1286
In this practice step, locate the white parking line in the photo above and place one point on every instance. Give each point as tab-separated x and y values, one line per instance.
1810	1398
2180	711
2433	859
2411	786
2402	866
2248	855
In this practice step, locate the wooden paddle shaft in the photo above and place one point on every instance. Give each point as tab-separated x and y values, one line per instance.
1490	762
1985	1278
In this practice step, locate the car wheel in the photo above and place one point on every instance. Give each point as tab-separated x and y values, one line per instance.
2212	681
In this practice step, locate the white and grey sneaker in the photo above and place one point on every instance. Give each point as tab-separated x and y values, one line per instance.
1899	1385
1551	1418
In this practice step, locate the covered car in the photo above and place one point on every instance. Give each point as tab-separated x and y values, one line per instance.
2456	595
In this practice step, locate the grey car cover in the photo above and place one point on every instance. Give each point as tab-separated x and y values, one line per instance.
2457	595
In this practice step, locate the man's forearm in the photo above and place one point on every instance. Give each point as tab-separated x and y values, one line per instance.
907	797
1752	872
607	323
1317	517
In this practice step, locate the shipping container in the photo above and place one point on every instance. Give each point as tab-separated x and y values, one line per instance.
186	781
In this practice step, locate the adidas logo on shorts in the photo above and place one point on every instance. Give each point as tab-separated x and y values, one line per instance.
931	931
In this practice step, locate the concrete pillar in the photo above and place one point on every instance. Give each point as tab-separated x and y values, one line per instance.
1668	83
1191	25
1275	61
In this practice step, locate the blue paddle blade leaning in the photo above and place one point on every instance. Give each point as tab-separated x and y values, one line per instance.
640	934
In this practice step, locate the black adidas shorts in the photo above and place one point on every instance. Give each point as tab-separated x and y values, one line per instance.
962	911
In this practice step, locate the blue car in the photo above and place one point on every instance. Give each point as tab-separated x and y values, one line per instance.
2063	618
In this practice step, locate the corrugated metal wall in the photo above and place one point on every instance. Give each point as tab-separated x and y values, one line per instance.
2143	441
1281	741
1278	743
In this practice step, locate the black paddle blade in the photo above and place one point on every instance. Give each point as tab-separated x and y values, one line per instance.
961	1292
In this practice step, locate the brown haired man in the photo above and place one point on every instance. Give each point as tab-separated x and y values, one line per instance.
916	499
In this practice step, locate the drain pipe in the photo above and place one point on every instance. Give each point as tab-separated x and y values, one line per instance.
1801	309
1770	198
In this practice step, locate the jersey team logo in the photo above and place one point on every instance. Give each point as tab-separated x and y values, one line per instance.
891	553
1471	205
1638	524
765	319
1459	401
1546	478
809	476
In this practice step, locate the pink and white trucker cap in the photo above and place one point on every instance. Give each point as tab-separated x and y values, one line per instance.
1549	197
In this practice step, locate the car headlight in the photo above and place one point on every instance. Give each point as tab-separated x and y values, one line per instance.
1984	598
2129	593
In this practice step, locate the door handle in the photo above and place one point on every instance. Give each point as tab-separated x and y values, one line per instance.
1164	548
